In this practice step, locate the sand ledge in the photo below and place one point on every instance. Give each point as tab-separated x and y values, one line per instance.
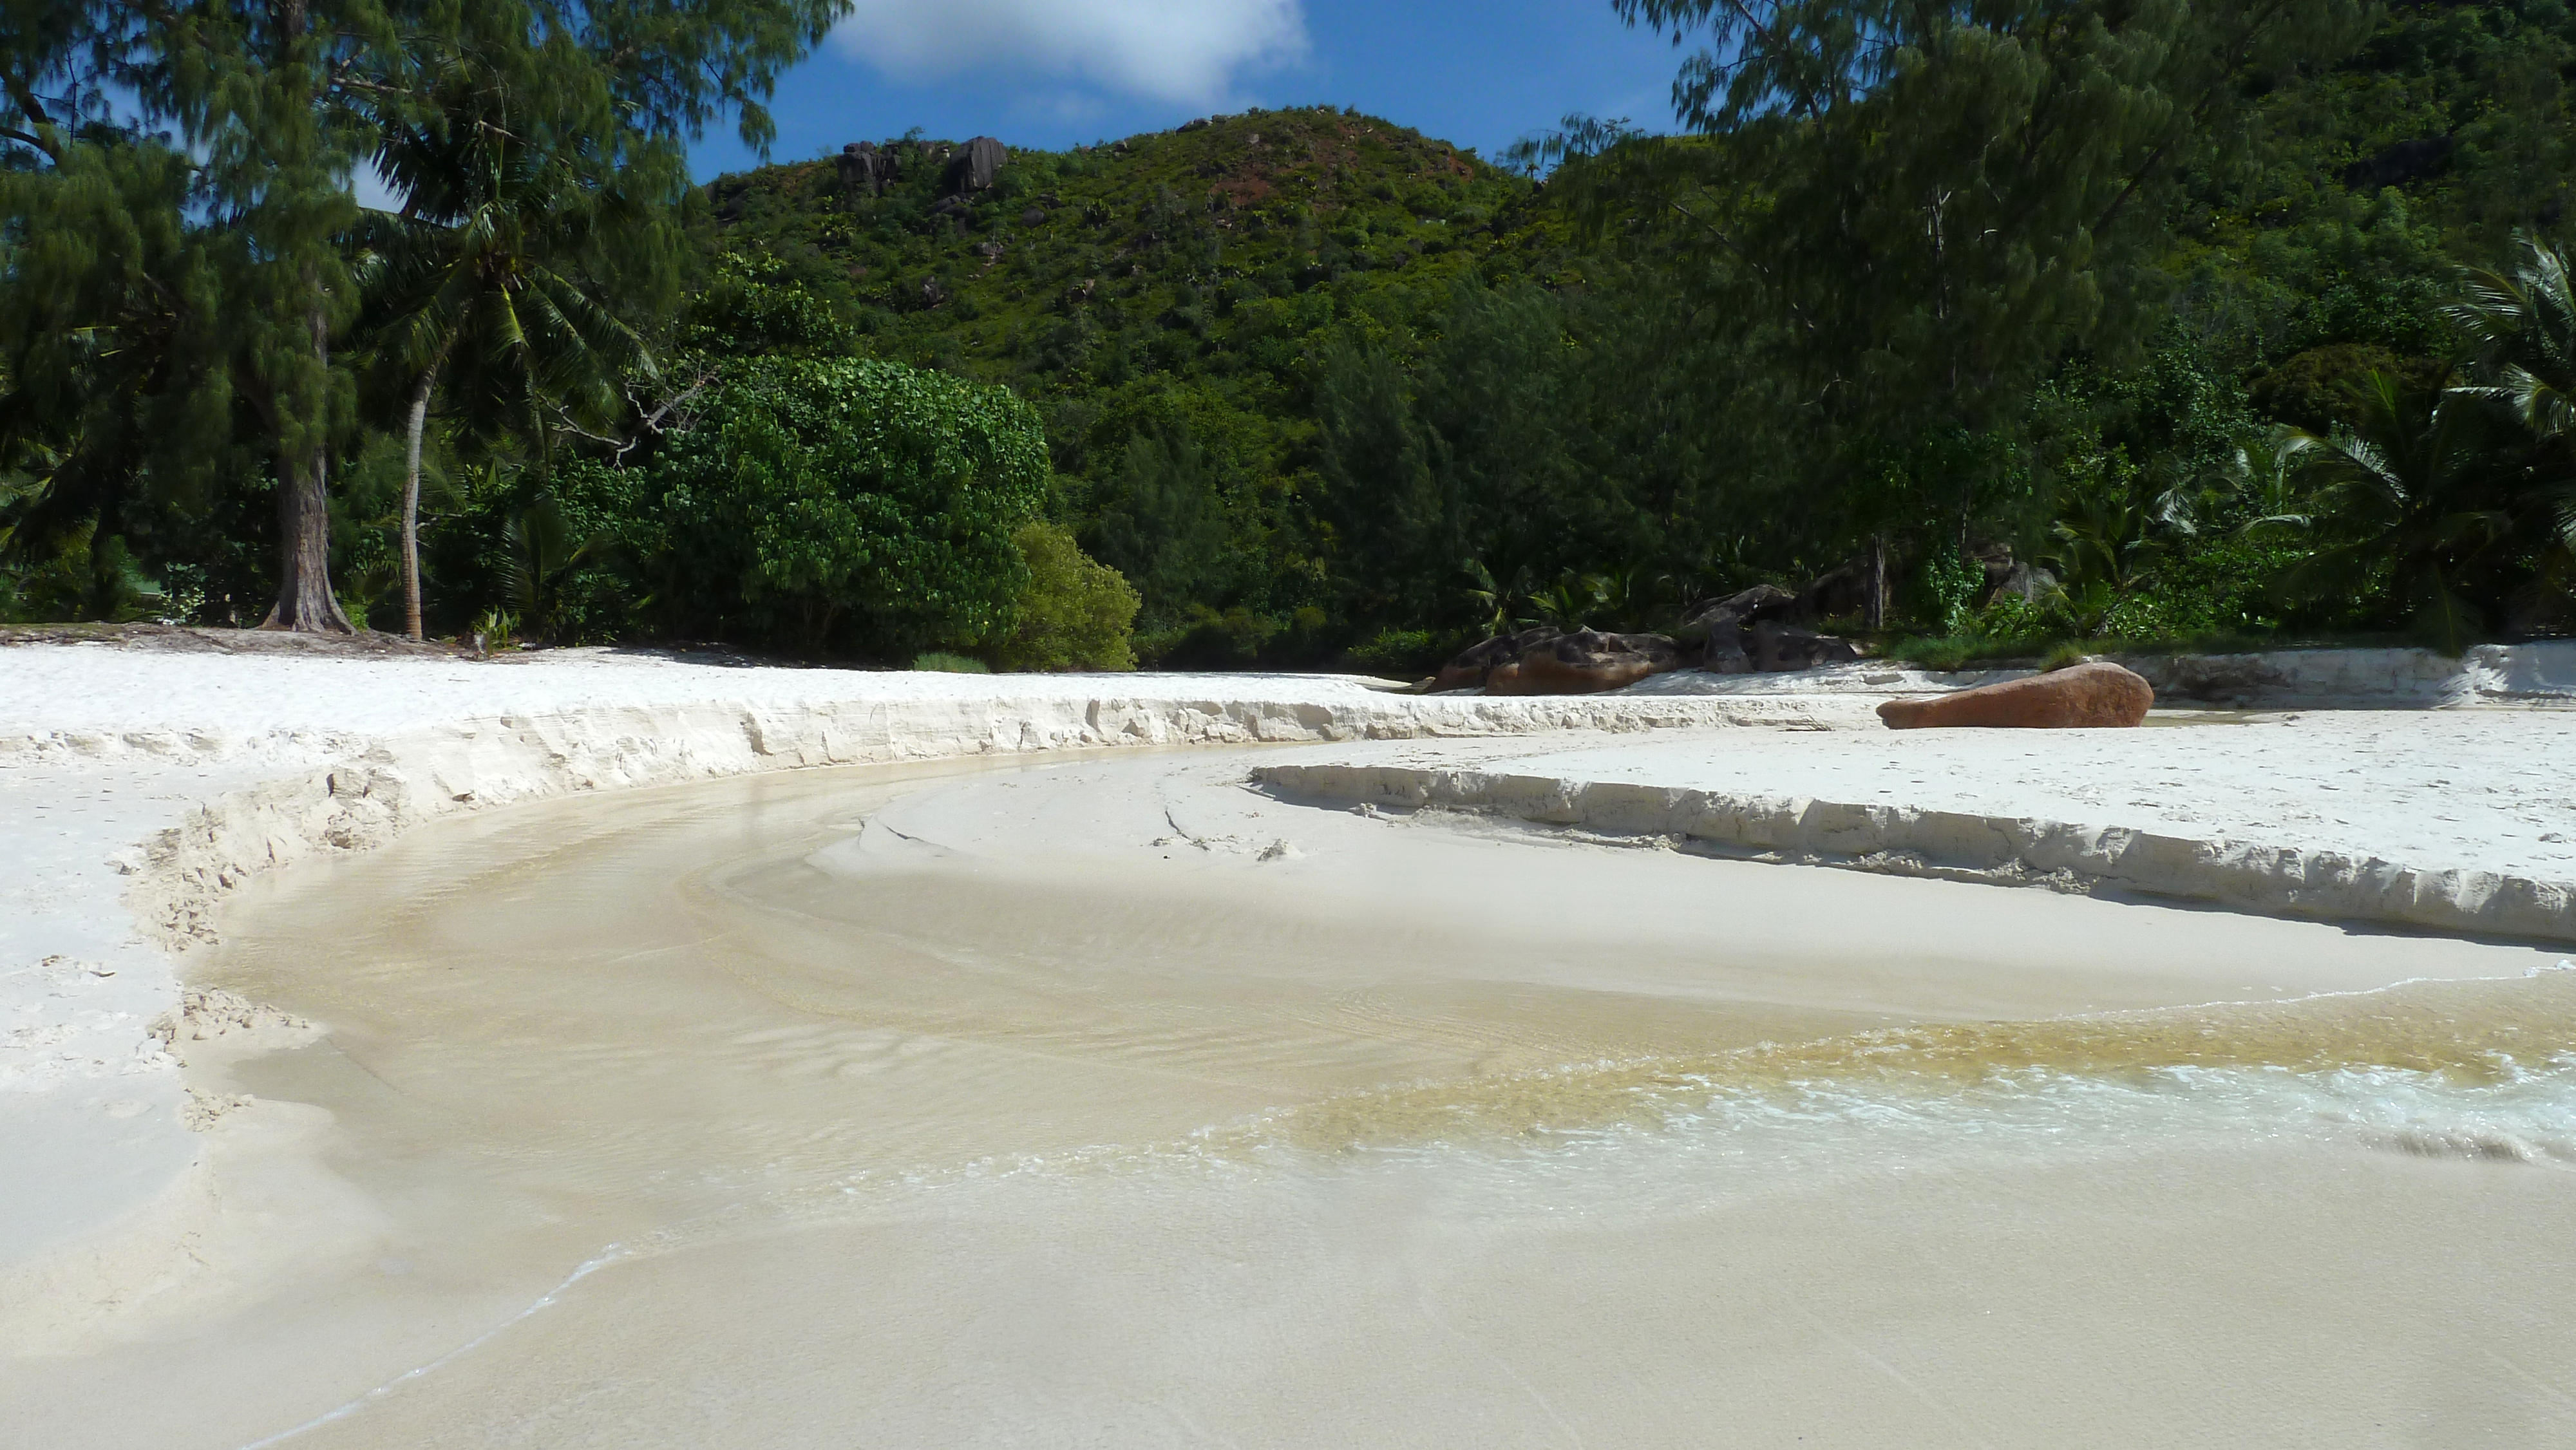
142	787
1961	845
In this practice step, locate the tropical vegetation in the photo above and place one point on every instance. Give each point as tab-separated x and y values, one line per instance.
2157	324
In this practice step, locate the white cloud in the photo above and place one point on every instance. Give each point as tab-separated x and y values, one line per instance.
1187	52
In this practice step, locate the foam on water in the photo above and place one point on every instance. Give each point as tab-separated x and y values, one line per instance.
2460	1070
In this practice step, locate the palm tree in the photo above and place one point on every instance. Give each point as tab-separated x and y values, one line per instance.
485	281
1501	605
2523	327
2419	490
2107	542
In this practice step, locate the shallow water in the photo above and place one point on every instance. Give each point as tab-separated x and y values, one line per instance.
1110	1102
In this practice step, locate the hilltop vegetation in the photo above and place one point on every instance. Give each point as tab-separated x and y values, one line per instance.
2163	321
1311	380
1170	303
1316	383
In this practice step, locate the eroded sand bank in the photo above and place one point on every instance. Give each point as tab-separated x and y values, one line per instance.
1115	1102
2454	820
138	787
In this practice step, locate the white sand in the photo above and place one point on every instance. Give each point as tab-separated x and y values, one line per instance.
985	1104
2455	819
136	789
2541	673
2482	790
137	786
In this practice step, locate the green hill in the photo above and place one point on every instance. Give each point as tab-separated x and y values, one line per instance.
1165	301
1166	252
1311	378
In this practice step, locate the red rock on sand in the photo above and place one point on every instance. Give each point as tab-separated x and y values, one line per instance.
1474	664
2088	696
1587	662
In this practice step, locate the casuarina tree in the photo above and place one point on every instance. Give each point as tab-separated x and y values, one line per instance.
1920	209
113	417
277	105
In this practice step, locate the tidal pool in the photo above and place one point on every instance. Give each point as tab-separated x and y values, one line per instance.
1107	1101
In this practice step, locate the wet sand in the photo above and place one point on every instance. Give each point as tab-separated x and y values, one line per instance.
1109	1101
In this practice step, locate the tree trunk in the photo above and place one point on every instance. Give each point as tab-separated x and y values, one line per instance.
305	603
1876	613
411	499
304	599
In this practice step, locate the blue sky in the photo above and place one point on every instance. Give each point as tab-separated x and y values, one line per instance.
1051	73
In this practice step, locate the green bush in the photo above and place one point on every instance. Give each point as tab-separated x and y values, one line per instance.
77	583
864	503
939	662
1208	639
1398	651
1943	590
1949	652
1076	613
2008	628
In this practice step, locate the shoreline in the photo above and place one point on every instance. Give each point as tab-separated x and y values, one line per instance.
1429	956
245	762
140	787
861	1006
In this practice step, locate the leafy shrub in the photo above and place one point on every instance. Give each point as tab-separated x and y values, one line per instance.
940	662
1399	651
1076	613
496	630
2009	617
1944	589
2010	627
1944	653
864	500
77	583
1209	639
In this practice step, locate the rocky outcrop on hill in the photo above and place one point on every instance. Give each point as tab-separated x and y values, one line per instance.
976	167
863	167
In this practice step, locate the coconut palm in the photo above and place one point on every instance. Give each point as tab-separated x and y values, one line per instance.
1501	603
2523	327
2106	544
486	284
2419	490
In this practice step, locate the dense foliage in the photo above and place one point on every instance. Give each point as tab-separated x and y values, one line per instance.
1076	614
2214	321
808	496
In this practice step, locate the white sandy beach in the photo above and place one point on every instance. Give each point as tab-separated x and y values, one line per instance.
1105	1096
138	786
